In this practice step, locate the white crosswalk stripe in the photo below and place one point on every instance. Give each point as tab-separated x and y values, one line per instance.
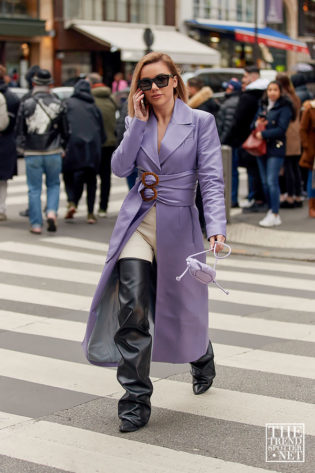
38	281
82	451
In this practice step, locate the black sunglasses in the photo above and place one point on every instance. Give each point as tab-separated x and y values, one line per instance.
160	80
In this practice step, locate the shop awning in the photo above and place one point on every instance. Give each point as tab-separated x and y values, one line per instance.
265	35
22	27
128	38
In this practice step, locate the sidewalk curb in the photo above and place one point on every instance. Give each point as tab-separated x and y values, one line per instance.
264	253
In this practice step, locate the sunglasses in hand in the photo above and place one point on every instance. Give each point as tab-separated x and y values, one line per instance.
161	80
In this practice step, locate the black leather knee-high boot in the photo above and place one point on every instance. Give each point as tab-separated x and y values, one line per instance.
134	343
203	371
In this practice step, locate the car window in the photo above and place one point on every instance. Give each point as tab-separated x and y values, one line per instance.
216	79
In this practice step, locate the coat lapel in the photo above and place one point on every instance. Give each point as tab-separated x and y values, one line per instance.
149	142
179	128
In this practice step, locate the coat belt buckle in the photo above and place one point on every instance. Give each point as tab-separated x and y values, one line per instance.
149	186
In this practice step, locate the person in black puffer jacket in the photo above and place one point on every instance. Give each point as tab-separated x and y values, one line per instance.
276	112
225	116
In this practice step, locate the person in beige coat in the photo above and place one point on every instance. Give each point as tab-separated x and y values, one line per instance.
307	160
292	174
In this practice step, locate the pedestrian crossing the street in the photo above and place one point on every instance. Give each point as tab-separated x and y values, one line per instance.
59	414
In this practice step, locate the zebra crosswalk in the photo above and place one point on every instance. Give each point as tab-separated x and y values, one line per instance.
58	413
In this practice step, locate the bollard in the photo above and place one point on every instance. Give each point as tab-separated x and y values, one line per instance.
227	174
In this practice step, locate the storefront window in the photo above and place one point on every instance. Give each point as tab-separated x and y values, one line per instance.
19	8
307	18
250	11
207	8
74	64
240	10
83	9
116	10
147	11
196	8
134	11
245	10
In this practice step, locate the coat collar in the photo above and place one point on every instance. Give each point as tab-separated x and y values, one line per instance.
178	129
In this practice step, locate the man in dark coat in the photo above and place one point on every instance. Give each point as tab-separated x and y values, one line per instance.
253	89
224	119
84	151
7	143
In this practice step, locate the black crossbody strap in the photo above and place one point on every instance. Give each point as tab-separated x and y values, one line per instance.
41	106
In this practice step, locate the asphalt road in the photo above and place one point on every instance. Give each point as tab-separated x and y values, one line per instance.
59	414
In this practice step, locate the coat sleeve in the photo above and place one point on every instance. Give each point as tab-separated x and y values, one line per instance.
124	157
210	175
20	129
64	127
305	128
281	126
102	128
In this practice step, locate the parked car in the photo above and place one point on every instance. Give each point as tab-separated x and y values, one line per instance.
18	91
63	92
215	77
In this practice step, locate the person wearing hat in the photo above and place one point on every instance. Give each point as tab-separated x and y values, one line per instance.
42	134
224	119
29	77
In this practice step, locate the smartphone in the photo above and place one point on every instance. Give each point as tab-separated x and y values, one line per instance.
144	104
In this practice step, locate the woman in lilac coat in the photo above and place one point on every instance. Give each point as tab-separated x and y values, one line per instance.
139	310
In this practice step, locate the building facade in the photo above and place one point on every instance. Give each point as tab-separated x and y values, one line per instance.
109	37
247	31
26	36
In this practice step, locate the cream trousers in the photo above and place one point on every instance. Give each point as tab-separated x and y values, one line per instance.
142	243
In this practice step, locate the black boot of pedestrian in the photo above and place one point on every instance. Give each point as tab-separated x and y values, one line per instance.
203	371
134	343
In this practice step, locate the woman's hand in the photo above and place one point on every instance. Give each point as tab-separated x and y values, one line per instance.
217	238
141	111
259	136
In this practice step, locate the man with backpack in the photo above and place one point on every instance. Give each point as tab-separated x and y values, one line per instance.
42	134
8	111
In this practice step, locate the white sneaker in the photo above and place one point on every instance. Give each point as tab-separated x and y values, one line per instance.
270	220
102	213
245	203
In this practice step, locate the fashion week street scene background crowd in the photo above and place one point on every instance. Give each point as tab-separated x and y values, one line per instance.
70	136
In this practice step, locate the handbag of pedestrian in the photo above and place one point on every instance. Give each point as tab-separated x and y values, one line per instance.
253	145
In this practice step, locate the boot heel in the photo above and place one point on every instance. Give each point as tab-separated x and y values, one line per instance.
203	372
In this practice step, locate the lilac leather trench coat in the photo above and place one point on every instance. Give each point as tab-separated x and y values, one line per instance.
190	150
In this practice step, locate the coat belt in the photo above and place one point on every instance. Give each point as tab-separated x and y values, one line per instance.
170	189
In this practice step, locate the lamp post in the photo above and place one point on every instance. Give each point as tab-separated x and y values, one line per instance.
256	47
148	39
